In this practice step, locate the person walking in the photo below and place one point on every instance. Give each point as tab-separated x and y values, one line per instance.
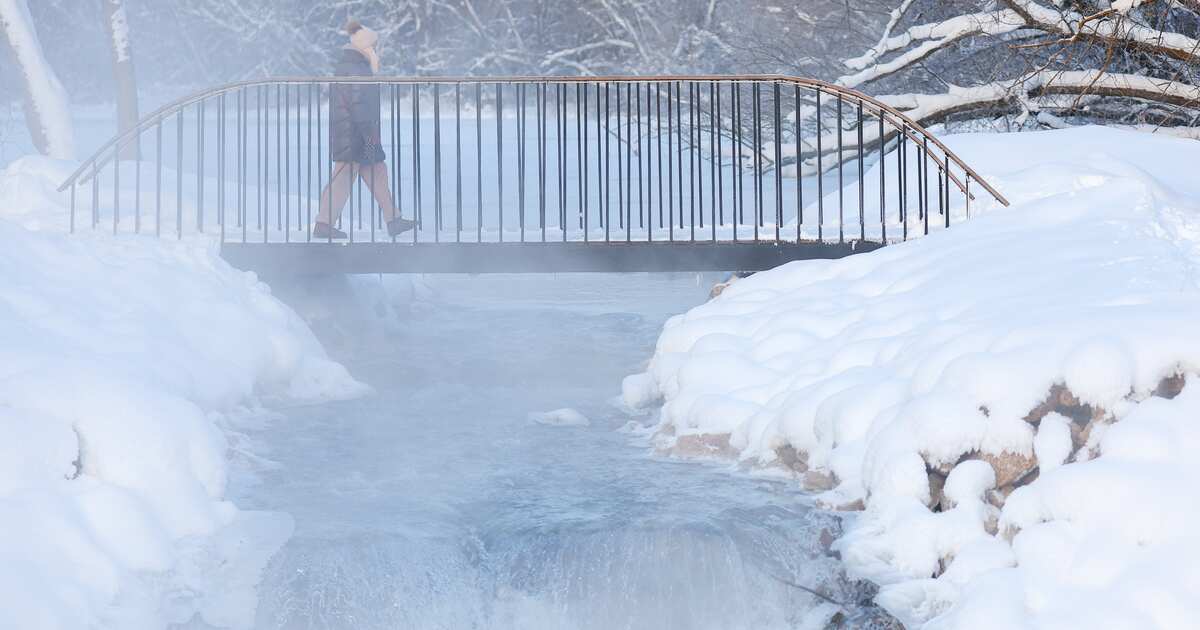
355	145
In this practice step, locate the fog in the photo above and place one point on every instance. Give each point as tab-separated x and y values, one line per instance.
179	45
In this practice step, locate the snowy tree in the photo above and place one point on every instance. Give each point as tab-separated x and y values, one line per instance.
589	37
47	112
116	23
1131	62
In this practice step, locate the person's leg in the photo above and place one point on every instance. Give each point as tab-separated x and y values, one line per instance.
339	190
375	177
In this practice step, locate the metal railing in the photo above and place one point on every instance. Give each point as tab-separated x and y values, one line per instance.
537	160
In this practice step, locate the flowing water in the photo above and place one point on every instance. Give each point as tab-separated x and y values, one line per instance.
438	503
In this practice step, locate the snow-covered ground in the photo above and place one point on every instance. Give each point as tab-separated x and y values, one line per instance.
1014	401
120	361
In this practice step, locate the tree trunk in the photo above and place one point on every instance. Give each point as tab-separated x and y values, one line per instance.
47	112
117	25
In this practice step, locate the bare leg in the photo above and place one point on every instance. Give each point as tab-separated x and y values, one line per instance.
376	178
339	189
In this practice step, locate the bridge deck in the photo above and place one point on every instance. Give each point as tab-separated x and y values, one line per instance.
283	259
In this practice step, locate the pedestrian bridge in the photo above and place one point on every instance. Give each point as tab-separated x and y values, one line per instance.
533	174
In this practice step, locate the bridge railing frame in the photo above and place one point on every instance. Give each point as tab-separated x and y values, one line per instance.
863	126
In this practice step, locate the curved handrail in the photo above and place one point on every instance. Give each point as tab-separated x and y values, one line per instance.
881	109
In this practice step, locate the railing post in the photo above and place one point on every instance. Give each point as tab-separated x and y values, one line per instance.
670	169
286	159
179	175
756	113
658	142
629	162
841	167
820	173
396	189
221	166
778	162
582	147
560	148
679	132
714	161
739	183
458	187
601	165
607	160
620	165
882	181
720	159
925	183
693	124
580	152
280	158
418	210
116	187
244	154
479	161
902	187
862	202
437	163
799	169
309	164
137	186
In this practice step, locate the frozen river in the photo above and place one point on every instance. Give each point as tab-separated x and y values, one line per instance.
438	502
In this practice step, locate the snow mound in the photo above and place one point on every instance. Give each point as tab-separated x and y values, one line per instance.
117	356
561	418
929	379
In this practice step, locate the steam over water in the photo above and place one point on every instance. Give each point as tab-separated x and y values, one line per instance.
438	503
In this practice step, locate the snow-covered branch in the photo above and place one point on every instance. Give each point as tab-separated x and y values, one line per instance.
1124	51
923	40
933	108
1109	27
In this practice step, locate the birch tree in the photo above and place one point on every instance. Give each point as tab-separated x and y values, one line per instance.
116	23
47	112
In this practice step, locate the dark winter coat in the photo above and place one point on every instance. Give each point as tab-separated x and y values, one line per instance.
354	134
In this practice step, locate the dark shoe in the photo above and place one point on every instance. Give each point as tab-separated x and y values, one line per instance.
326	231
399	226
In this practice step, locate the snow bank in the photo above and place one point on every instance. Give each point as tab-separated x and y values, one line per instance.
117	359
1002	397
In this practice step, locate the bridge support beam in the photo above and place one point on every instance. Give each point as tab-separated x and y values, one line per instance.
308	259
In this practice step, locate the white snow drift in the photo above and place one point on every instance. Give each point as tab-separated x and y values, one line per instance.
118	356
1004	397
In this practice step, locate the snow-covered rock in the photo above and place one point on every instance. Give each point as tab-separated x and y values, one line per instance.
929	380
118	357
560	418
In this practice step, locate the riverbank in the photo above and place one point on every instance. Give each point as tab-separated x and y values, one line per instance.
121	363
1010	403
